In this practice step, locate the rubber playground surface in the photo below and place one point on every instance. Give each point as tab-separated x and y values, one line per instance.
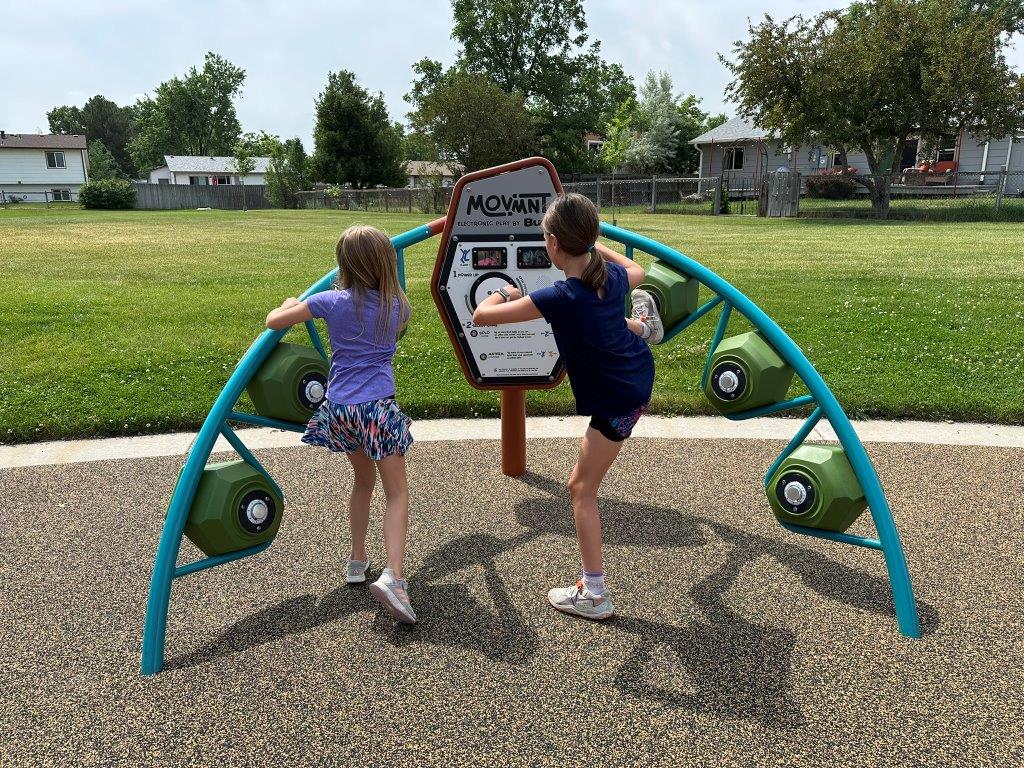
735	643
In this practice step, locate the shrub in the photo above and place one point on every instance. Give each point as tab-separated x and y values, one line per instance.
108	193
831	186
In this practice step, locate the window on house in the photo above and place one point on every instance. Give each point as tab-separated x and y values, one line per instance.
836	160
595	146
223	180
55	160
947	149
201	181
62	195
733	159
163	181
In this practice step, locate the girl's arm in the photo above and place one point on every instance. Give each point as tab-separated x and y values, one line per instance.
634	271
494	310
290	312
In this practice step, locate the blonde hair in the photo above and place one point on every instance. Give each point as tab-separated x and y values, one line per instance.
367	262
573	219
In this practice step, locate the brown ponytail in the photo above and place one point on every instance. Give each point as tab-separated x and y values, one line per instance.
595	273
573	220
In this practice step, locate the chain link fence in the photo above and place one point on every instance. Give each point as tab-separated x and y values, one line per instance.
427	199
919	195
655	194
950	196
11	197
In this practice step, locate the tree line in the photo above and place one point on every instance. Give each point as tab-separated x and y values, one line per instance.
527	80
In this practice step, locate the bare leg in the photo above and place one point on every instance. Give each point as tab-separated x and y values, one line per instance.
597	453
396	516
365	478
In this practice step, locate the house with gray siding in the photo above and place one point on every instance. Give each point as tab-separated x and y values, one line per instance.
743	153
200	170
36	167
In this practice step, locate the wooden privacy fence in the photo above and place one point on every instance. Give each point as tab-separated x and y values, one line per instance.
174	196
779	194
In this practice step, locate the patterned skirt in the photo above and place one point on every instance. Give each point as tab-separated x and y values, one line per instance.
378	428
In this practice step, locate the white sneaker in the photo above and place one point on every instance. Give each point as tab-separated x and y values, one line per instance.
645	309
580	601
356	570
393	595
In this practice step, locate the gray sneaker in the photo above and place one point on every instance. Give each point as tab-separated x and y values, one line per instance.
646	311
580	601
392	594
356	570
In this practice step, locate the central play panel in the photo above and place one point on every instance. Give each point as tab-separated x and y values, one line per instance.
491	237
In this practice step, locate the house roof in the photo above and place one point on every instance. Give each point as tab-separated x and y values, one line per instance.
736	129
209	164
42	141
428	168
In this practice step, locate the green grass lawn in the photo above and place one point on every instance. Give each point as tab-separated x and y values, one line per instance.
130	322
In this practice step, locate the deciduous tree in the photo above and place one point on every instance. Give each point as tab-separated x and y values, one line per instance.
354	140
243	163
101	163
539	48
102	120
190	115
871	75
469	120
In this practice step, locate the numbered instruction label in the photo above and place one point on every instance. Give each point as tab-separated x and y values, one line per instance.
494	240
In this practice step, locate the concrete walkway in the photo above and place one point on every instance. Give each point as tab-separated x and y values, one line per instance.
681	427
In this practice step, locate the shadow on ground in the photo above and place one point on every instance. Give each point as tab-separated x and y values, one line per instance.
734	667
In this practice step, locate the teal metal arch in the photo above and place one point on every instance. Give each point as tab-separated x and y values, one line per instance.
166	570
820	396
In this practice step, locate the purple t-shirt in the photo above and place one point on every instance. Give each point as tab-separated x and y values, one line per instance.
360	361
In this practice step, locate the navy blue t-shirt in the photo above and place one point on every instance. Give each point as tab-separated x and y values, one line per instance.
611	369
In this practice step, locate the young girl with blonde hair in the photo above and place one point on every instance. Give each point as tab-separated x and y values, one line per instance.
364	313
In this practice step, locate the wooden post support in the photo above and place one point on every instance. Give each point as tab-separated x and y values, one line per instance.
513	432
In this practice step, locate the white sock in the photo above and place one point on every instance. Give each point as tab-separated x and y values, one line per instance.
594	582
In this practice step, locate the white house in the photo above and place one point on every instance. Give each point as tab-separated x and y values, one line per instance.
39	167
419	170
203	170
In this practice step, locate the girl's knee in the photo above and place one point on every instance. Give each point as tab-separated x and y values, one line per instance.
364	482
580	490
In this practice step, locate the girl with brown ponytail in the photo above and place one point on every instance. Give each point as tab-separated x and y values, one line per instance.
610	367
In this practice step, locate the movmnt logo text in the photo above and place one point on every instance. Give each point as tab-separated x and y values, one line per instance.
508	205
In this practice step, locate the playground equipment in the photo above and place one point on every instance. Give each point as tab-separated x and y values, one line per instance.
236	506
816	486
291	384
673	291
745	372
492	238
813	490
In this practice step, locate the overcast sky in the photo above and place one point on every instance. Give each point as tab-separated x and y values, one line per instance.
122	49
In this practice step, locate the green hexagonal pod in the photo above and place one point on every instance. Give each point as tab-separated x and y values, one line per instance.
746	373
816	486
290	385
674	292
235	507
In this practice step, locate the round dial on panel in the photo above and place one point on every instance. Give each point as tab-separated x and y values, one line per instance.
487	284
